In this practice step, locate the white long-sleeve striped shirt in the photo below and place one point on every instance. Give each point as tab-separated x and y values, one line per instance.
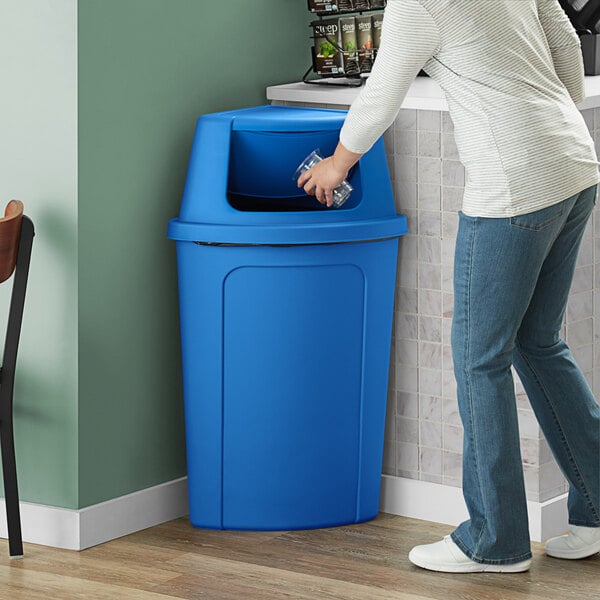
512	72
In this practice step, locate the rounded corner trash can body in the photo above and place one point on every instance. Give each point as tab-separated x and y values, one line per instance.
286	317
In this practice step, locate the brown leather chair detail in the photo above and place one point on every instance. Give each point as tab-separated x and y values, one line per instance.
10	230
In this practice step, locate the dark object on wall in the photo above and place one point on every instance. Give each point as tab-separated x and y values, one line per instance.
590	46
16	239
585	16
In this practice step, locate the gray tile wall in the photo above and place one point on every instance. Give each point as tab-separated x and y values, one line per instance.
424	434
423	438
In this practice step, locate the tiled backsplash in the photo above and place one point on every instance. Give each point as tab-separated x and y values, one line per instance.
423	438
423	430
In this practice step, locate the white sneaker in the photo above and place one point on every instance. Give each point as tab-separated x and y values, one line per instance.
580	542
446	556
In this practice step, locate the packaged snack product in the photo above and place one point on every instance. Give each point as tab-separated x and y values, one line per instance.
364	34
377	23
349	45
327	56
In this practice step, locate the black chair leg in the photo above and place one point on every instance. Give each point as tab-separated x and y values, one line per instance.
11	492
7	380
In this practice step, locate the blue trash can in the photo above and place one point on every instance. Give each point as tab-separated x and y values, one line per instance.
286	316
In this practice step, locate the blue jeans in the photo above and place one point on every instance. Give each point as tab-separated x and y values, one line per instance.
511	282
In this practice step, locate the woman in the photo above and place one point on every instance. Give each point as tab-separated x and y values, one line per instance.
512	72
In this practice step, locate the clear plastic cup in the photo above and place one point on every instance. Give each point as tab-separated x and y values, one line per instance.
340	193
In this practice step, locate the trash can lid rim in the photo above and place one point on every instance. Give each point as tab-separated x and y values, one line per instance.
288	234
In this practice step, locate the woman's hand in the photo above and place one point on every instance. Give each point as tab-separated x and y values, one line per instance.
322	179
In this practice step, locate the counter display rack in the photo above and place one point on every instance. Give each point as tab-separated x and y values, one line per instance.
346	34
345	37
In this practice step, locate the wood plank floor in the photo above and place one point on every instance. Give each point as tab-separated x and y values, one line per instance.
367	561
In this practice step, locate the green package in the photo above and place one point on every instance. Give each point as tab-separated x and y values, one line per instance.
327	55
349	45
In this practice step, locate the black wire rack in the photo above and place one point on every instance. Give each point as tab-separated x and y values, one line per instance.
349	77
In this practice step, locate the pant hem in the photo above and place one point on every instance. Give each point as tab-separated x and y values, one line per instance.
489	561
583	523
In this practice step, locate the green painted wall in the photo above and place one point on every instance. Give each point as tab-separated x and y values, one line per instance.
38	164
147	69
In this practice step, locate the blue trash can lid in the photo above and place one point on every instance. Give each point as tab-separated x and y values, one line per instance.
243	163
289	234
281	119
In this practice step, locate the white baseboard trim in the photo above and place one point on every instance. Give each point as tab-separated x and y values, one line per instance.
87	527
445	504
81	529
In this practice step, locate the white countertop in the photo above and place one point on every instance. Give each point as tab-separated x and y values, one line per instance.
424	94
